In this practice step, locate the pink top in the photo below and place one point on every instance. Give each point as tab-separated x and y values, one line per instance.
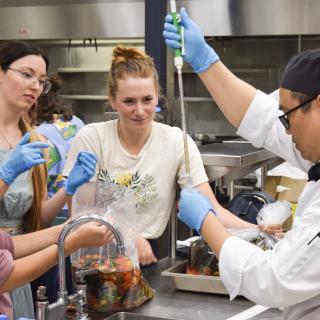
6	266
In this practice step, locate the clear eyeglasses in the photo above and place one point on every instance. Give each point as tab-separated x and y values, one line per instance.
30	78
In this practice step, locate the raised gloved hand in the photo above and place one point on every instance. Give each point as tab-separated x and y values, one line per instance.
82	171
25	156
197	52
193	208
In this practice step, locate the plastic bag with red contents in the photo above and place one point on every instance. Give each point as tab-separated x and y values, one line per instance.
115	282
201	260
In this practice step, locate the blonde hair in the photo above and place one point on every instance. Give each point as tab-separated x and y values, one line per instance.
130	62
32	221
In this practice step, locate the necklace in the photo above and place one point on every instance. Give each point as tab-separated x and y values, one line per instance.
7	141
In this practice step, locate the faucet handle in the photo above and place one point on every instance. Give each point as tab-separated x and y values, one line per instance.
80	274
41	293
42	303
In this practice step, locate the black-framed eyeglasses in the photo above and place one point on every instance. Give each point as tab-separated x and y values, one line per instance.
31	79
285	117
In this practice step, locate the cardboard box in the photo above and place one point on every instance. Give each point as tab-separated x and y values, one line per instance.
284	188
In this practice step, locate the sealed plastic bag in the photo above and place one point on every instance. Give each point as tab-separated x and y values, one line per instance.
115	282
274	213
271	213
201	260
255	236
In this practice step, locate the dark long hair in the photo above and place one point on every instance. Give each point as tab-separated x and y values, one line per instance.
11	51
49	105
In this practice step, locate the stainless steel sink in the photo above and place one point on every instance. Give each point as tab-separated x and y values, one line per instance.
133	316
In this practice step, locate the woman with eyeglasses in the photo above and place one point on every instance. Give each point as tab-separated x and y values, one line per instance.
289	275
24	206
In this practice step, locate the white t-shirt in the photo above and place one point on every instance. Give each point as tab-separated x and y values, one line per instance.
152	175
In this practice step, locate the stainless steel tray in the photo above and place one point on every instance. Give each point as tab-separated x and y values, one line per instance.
133	316
190	282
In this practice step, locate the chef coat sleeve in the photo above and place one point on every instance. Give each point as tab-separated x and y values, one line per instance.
262	127
284	276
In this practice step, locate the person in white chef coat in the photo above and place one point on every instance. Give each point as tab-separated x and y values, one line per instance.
289	275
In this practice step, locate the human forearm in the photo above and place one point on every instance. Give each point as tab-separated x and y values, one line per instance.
196	211
29	268
232	95
32	266
229	220
51	207
25	269
214	233
32	242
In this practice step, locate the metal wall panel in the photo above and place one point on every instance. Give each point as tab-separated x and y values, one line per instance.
125	18
255	17
77	21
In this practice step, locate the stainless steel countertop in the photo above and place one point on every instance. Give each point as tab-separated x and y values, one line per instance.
181	305
233	154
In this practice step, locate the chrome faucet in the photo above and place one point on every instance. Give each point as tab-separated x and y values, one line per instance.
43	307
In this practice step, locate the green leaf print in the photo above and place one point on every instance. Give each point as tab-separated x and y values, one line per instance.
146	192
144	188
136	181
104	176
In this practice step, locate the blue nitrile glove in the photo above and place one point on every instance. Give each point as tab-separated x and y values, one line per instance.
25	156
193	208
82	171
197	52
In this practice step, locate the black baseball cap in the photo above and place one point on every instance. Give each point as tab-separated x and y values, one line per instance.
302	73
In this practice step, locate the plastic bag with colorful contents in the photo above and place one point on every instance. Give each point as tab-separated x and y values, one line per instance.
115	282
201	260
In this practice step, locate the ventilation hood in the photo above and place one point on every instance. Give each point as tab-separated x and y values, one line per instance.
107	19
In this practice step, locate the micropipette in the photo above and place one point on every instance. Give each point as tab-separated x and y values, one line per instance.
178	62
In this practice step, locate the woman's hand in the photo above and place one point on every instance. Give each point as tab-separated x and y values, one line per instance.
25	156
273	229
91	234
145	253
82	171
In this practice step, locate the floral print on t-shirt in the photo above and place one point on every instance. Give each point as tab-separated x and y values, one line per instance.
144	187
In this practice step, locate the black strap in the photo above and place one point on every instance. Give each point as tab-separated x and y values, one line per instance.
314	173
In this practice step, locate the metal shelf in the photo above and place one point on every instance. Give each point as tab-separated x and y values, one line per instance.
82	70
83	97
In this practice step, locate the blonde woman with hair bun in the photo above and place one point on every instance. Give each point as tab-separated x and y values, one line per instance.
143	155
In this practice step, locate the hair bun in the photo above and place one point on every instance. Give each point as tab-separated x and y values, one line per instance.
130	62
122	54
